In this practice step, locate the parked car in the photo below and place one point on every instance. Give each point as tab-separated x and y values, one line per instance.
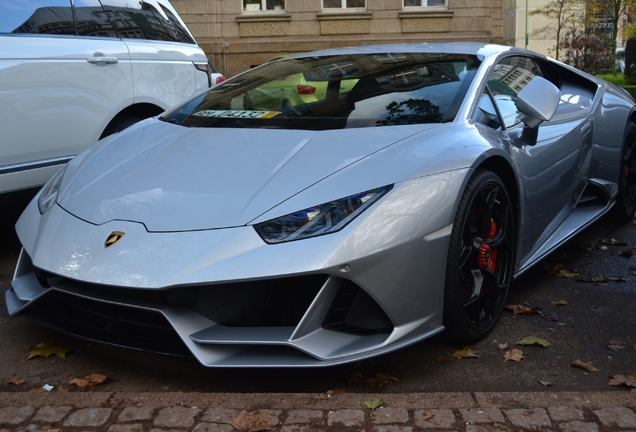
74	72
333	230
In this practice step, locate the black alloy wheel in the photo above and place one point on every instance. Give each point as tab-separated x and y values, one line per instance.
625	205
480	258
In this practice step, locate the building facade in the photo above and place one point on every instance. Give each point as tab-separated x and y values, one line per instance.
240	34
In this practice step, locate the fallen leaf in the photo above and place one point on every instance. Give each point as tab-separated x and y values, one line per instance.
89	381
467	352
586	366
372	405
627	253
514	355
373	380
443	359
261	420
428	415
627	379
568	273
336	391
503	346
613	242
545	383
47	349
16	381
532	340
616	345
551	317
560	303
551	268
523	309
605	280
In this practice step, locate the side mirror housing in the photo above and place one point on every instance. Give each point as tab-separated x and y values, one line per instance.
538	100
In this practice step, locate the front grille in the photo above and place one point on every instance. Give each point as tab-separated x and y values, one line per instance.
114	324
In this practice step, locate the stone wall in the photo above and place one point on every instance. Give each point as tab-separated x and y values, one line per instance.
235	41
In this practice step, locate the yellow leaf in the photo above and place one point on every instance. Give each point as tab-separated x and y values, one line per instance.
567	273
428	415
465	353
373	405
545	383
47	349
532	340
560	303
16	381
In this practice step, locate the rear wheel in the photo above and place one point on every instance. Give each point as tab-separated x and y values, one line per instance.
480	258
625	205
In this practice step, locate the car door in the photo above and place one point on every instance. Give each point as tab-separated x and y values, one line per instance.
553	166
168	66
62	75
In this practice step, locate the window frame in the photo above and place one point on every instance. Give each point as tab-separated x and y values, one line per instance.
263	3
424	6
343	7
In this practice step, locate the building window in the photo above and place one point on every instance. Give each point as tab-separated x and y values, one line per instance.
344	4
263	5
425	3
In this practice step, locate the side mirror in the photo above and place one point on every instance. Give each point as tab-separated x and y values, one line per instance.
538	100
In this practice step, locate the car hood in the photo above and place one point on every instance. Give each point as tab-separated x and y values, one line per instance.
172	178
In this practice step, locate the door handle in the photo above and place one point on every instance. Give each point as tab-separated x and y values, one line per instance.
586	128
102	60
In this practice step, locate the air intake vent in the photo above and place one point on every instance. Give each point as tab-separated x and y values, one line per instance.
354	311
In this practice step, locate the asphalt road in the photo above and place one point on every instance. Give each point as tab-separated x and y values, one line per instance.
595	314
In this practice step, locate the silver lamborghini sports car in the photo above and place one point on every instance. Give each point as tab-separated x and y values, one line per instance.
328	207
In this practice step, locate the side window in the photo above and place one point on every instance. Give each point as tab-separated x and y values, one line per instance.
93	21
506	80
154	20
40	17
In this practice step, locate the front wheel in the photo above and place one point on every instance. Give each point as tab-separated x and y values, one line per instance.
625	206
480	258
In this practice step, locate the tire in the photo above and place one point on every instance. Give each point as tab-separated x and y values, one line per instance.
481	257
118	124
625	206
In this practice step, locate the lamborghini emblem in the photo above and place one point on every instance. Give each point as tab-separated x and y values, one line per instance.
113	238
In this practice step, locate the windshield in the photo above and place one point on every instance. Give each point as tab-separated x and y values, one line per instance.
336	92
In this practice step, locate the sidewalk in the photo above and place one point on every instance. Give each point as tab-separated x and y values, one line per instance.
285	412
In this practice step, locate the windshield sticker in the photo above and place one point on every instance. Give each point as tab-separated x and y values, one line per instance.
249	114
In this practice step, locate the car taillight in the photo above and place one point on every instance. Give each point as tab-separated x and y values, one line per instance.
220	79
305	89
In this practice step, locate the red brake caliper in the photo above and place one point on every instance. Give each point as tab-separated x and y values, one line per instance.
488	256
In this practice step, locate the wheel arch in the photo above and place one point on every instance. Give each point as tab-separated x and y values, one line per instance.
500	166
504	170
141	110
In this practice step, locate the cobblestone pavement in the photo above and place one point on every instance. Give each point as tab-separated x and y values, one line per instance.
223	412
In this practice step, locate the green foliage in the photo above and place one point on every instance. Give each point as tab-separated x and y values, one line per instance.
630	60
614	79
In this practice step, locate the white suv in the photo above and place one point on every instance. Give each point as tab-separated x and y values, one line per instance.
72	72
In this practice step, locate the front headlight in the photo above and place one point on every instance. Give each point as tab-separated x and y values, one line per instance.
48	195
321	219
